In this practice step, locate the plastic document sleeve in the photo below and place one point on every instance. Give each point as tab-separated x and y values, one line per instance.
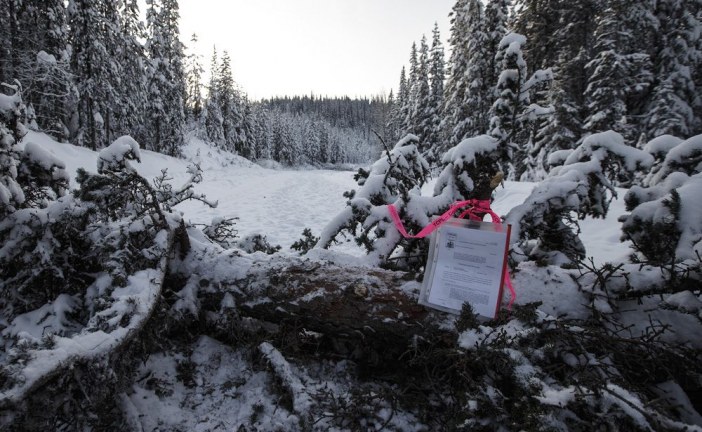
467	262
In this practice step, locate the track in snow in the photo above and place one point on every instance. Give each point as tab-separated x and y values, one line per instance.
277	204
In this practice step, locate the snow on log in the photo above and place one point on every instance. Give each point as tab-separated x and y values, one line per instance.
132	307
359	313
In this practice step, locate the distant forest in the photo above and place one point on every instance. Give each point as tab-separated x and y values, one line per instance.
539	75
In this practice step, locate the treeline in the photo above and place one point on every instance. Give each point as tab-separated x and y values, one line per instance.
291	130
542	75
92	71
322	130
539	75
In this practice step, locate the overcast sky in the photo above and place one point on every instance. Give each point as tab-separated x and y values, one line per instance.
329	47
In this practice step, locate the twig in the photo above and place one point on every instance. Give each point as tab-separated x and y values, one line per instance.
382	141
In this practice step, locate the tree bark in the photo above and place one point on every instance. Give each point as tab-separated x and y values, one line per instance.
368	315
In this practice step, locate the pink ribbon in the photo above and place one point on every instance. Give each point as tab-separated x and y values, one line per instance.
477	209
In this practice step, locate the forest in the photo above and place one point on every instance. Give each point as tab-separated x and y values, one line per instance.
118	312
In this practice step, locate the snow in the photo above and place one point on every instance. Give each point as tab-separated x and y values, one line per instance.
117	154
45	58
513	42
41	157
661	145
560	397
681	157
141	291
614	143
9	102
685	300
280	204
224	393
283	369
47	320
689	223
468	148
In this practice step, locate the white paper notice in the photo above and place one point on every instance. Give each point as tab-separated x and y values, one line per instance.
467	266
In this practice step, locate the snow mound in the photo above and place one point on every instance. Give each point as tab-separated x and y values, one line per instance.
209	157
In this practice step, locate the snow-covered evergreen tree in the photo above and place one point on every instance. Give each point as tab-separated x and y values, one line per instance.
437	74
282	142
37	34
413	85
545	226
538	21
672	105
471	171
262	133
246	137
166	88
392	126
94	32
564	128
230	105
194	71
467	32
480	92
11	194
665	224
393	179
561	131
214	121
131	109
616	73
512	112
421	99
402	110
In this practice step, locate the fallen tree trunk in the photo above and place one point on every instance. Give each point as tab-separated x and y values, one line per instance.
367	315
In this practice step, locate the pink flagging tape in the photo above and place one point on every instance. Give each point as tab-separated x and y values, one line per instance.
476	209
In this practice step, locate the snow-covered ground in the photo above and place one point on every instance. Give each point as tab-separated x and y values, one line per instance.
280	204
222	392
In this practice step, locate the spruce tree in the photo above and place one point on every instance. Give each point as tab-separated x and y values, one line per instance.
132	101
513	114
437	75
467	25
481	79
247	145
538	21
410	120
403	106
507	124
672	106
166	88
231	106
39	60
574	49
213	113
562	129
421	100
392	125
262	133
616	73
94	33
11	194
194	71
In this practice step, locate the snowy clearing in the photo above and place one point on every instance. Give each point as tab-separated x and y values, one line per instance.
281	203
